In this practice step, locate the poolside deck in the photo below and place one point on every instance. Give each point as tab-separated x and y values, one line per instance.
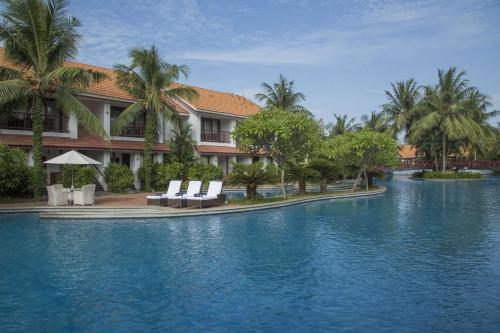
130	206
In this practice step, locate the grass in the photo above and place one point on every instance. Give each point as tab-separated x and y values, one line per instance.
292	197
447	175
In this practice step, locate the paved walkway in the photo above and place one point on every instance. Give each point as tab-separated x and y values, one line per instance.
134	206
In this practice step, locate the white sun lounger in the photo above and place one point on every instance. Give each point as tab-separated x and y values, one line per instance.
213	197
194	187
174	187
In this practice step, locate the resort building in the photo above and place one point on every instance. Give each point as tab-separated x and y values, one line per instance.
213	116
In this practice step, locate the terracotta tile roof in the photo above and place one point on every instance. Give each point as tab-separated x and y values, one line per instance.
87	142
209	100
216	101
207	149
407	151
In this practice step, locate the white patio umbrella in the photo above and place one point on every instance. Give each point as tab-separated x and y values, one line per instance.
74	158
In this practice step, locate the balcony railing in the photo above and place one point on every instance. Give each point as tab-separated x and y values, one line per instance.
216	136
134	131
23	121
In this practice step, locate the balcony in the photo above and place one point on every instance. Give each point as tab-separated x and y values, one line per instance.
216	136
23	121
133	131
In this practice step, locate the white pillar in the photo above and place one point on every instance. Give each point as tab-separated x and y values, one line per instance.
31	161
158	158
72	126
232	161
106	159
214	160
135	164
106	118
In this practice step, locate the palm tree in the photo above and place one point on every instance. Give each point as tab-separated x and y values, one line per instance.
150	80
376	122
182	144
342	125
38	37
402	101
282	95
448	109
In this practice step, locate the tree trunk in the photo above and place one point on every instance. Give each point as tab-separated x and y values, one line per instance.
283	192
149	137
323	186
302	187
251	192
366	178
356	180
38	169
444	152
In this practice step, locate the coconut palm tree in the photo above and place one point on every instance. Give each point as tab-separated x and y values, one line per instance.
448	108
182	144
376	121
38	37
401	106
282	95
151	81
342	125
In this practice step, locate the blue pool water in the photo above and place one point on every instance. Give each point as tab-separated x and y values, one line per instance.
422	257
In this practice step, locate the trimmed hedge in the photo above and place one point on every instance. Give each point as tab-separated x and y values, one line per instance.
119	178
16	177
82	175
204	172
163	173
447	175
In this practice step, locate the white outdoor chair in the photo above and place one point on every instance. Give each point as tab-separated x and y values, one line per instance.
86	196
161	199
214	197
180	199
57	197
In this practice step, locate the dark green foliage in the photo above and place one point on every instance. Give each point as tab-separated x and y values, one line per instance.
15	174
302	173
166	172
119	178
252	175
327	170
182	145
82	175
447	175
204	172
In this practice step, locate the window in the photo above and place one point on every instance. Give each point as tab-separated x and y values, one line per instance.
134	128
210	125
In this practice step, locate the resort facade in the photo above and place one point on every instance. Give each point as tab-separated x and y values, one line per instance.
213	115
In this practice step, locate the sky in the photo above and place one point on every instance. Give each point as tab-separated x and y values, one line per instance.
342	54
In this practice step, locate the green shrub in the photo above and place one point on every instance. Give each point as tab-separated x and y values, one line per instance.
166	172
204	172
141	175
119	178
15	174
82	175
447	175
252	175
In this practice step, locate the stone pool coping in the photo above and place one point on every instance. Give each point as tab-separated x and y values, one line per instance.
144	212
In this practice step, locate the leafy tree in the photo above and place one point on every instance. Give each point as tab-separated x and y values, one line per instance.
150	80
38	37
364	151
327	170
78	175
302	173
286	136
204	172
252	175
342	125
282	95
182	144
400	109
15	174
119	178
447	110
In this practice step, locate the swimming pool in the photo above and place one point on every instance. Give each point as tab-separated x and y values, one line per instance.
424	256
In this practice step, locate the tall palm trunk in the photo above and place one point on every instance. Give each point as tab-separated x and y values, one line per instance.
37	125
149	138
444	157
